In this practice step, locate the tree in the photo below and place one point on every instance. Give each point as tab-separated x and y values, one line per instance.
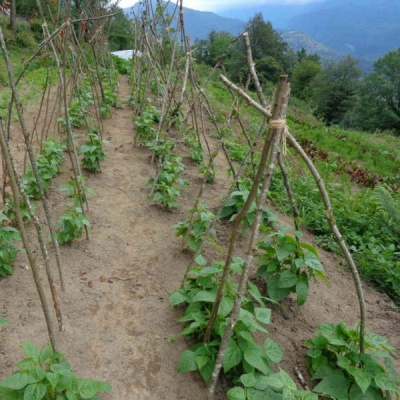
378	100
306	69
271	53
334	89
120	36
218	43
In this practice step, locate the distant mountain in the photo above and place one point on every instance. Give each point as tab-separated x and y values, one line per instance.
298	40
198	24
366	29
278	14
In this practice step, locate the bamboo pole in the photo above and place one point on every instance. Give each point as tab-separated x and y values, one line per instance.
332	223
32	156
276	130
38	227
24	236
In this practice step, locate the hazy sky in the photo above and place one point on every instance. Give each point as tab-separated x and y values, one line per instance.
217	5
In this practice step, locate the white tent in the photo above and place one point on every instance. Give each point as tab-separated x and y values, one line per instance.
126	54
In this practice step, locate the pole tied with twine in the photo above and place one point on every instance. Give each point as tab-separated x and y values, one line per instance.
280	124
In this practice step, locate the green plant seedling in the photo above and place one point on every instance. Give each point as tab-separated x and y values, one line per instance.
70	225
166	191
8	250
334	359
73	189
195	229
9	211
244	354
288	266
233	206
48	164
92	152
45	374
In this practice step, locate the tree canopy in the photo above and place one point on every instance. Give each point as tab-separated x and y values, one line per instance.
378	100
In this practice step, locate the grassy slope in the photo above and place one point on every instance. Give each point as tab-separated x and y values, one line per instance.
357	168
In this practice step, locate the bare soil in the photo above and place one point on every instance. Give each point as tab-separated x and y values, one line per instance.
118	326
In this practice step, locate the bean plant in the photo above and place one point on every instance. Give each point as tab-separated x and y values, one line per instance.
246	363
75	190
236	202
71	224
168	183
45	374
48	163
195	229
92	151
335	361
288	265
8	248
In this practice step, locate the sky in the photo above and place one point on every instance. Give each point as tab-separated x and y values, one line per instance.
219	5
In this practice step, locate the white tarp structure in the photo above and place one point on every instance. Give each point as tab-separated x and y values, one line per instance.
126	54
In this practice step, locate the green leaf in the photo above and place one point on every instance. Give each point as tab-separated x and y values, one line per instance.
38	373
284	250
255	292
17	381
246	317
256	359
371	393
274	381
71	395
205	296
35	391
26	363
335	384
226	306
200	260
31	350
362	379
312	261
263	315
248	380
46	353
287	381
207	370
7	394
52	378
202	361
236	393
187	361
309	247
88	388
314	353
3	322
176	298
287	279
233	356
276	293
273	350
386	382
302	289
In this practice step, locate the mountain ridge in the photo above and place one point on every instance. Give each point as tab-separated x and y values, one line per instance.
365	29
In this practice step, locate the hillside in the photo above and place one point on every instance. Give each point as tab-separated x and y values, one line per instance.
363	28
198	24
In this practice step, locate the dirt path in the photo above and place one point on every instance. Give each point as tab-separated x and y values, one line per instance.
122	331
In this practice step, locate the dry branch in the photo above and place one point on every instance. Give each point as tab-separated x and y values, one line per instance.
269	157
337	234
